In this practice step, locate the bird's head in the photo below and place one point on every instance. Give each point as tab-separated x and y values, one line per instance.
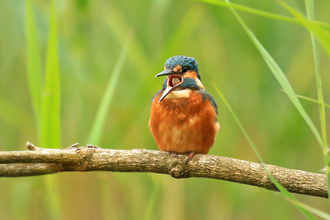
182	73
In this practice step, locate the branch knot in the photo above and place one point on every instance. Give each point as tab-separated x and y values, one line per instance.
177	171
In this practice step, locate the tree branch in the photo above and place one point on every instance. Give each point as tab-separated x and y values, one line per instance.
40	161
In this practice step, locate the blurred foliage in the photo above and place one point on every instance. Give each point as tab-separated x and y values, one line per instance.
91	35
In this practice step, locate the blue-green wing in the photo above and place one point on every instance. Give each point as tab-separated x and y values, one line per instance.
208	96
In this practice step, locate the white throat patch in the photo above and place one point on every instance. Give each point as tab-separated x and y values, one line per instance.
179	94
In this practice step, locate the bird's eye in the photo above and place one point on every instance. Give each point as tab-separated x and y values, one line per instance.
184	69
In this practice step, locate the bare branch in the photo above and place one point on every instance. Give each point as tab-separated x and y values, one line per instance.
40	161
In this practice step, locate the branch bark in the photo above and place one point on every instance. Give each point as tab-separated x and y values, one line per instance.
40	161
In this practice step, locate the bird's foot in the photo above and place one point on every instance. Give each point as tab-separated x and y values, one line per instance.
190	155
175	154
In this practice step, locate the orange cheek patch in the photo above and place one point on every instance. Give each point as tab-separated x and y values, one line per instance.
177	68
191	74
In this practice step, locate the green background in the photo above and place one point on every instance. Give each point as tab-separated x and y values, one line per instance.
91	35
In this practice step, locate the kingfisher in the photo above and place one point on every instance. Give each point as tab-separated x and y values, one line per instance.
183	116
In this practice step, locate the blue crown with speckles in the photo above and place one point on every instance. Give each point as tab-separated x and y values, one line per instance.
189	62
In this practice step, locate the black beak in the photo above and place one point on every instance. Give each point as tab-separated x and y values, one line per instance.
165	73
168	88
165	93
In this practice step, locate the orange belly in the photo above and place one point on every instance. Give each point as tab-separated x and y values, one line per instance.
184	125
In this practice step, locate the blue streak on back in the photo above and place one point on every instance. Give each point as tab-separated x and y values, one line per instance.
208	96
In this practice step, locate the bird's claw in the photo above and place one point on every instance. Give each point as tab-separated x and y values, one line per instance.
190	155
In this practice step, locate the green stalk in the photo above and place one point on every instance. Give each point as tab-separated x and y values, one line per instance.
50	113
310	16
46	101
153	200
312	100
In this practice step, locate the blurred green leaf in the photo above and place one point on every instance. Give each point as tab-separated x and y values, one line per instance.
50	114
14	115
53	197
96	131
33	62
47	103
153	199
189	23
117	24
21	195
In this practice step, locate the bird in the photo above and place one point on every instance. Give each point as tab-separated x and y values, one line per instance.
183	115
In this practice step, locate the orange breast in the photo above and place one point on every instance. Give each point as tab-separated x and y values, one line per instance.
184	125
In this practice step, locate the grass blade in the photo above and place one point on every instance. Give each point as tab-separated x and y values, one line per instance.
33	63
280	76
95	135
309	99
251	10
238	122
279	186
310	15
320	213
262	13
312	100
320	33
